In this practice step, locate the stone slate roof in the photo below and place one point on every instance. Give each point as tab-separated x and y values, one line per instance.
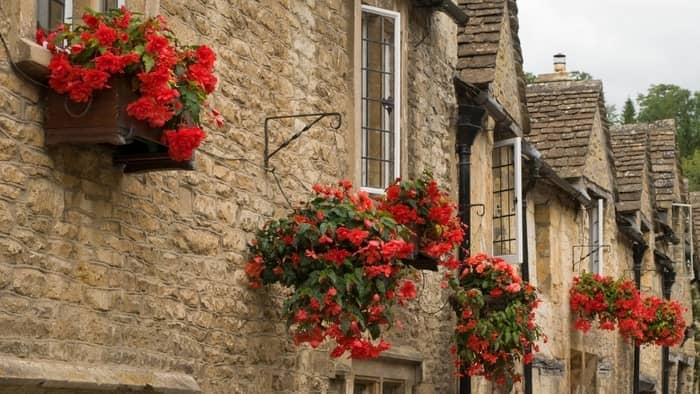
561	122
665	159
479	40
630	145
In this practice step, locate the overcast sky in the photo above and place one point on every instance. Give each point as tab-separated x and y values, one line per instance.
628	44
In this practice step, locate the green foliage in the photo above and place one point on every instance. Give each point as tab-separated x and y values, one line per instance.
612	114
580	76
691	169
530	78
672	102
629	113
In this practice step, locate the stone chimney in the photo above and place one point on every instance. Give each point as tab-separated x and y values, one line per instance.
560	63
559	75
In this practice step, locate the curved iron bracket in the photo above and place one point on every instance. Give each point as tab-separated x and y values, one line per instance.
602	248
318	116
482	209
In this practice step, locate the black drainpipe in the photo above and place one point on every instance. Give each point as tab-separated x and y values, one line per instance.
533	175
638	254
470	123
669	277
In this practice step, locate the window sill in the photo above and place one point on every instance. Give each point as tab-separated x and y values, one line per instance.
25	374
32	59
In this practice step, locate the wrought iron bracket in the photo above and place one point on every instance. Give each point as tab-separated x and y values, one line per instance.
482	209
318	116
573	252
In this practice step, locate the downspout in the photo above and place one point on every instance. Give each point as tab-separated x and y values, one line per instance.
534	174
637	254
669	277
469	124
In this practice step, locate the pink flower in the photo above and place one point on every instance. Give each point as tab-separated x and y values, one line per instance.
513	288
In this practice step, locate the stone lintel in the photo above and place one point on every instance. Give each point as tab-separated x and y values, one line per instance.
549	366
61	375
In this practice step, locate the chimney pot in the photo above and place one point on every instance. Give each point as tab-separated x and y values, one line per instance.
560	63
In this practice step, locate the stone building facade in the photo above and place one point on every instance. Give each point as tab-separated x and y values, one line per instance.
113	282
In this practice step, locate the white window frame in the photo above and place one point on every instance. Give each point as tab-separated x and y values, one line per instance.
596	246
68	11
516	143
396	16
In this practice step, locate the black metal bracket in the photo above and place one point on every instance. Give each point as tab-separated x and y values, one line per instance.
482	209
573	252
320	115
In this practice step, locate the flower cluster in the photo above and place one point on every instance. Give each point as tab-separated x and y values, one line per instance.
602	298
431	215
663	323
495	319
173	81
618	302
344	260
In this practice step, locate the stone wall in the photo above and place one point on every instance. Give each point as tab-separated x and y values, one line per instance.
146	271
599	166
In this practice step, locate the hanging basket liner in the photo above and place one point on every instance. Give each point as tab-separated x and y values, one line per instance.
493	303
420	260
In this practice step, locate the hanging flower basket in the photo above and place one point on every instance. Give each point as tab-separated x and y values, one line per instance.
118	79
495	319
616	302
607	300
432	218
663	323
343	260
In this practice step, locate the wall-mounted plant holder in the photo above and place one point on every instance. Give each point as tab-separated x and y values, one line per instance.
104	120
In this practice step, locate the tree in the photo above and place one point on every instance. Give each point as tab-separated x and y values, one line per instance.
672	102
691	170
613	115
580	76
629	113
530	78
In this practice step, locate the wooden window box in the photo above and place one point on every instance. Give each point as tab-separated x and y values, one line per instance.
103	120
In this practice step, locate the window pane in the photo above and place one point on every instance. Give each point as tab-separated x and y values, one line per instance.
378	98
360	387
109	4
504	215
392	388
56	13
50	14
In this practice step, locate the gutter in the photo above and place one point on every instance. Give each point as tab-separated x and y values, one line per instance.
448	7
546	171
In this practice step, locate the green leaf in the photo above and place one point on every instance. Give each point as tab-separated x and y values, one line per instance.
148	62
139	49
374	331
381	286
